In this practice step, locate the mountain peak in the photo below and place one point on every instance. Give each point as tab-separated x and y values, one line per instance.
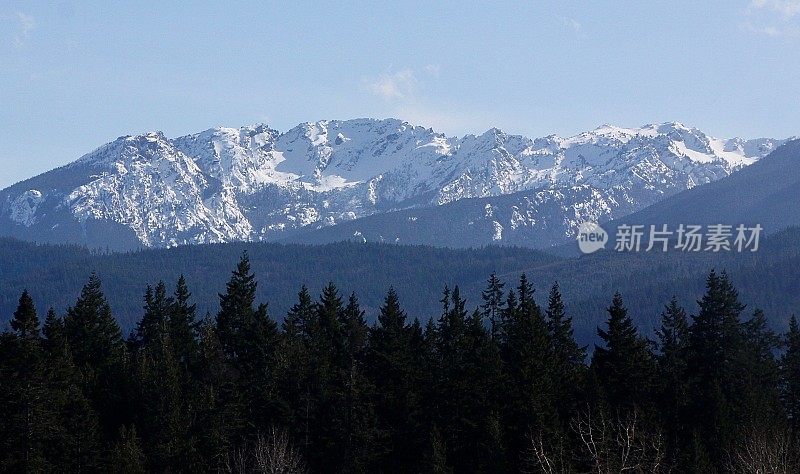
494	135
256	183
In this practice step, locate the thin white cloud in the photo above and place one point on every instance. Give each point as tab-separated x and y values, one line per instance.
570	23
400	85
26	24
773	31
403	96
773	18
433	69
787	8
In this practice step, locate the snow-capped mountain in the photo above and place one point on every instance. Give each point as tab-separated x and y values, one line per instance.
256	183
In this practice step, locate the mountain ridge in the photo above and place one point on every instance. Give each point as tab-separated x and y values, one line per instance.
255	183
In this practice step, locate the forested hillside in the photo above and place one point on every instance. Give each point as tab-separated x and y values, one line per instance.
54	276
503	388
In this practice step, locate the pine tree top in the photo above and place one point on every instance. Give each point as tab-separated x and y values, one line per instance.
25	321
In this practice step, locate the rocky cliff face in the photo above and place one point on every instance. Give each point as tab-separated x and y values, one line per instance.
255	183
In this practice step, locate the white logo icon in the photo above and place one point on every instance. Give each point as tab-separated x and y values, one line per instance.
591	237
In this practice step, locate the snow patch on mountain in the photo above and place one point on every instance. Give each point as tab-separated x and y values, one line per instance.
256	183
23	208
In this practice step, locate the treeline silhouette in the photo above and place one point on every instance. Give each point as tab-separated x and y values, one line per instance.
53	275
501	388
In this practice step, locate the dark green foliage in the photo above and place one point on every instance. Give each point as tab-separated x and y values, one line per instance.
732	372
46	422
394	366
493	304
23	430
673	386
340	393
25	322
216	422
249	339
790	378
465	377
158	391
568	357
75	440
126	456
528	404
354	412
716	337
182	324
94	337
153	325
98	352
54	275
294	366
503	387
624	366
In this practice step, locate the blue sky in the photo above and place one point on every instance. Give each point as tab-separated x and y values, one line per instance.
74	75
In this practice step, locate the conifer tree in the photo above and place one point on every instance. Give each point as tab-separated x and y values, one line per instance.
396	359
53	337
300	317
249	339
327	331
25	322
295	367
451	327
326	347
424	368
74	443
153	324
624	366
94	336
568	357
507	315
98	351
493	304
451	387
182	324
216	399
454	396
127	456
483	447
23	393
159	398
790	378
467	374
673	388
719	355
528	371
760	375
355	417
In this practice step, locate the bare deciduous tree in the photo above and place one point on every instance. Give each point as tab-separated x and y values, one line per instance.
764	451
236	462
547	457
607	445
267	454
619	444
